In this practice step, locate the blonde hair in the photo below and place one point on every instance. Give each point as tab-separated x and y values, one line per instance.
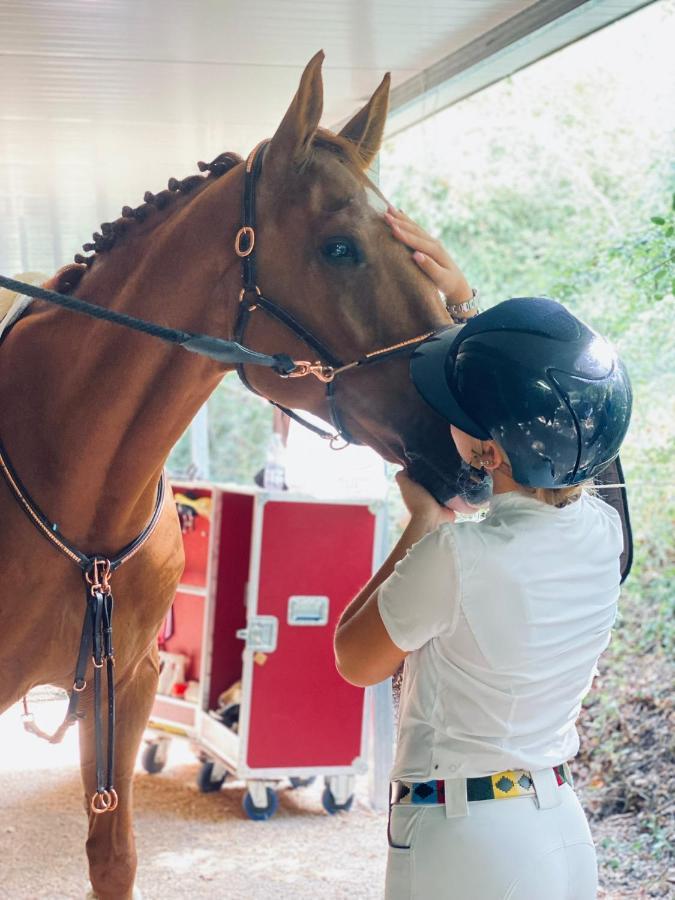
559	497
562	496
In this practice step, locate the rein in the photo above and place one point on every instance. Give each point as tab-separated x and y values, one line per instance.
96	638
202	344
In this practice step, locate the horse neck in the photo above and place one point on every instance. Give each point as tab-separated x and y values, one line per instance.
89	411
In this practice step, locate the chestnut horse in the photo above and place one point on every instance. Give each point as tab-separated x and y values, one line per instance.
89	411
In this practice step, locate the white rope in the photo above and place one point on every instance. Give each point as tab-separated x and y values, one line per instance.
631	484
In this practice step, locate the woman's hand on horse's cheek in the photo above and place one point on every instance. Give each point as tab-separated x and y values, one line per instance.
419	502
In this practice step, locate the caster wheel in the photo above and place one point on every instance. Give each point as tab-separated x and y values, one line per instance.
205	782
151	760
257	813
301	782
331	807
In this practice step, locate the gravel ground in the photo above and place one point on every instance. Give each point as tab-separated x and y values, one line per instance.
189	844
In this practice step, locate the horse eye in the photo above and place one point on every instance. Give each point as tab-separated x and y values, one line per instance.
340	250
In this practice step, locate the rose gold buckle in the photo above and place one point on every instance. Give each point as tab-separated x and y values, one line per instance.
100	576
334	442
323	373
244	291
318	370
101	802
302	368
249	233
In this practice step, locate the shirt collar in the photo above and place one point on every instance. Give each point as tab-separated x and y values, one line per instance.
518	500
498	502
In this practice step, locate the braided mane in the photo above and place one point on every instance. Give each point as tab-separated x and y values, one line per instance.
110	231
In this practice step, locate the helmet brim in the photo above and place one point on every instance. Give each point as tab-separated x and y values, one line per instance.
429	367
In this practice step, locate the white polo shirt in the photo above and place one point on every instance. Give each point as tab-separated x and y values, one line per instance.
506	619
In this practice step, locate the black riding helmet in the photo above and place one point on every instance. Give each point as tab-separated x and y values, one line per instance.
528	374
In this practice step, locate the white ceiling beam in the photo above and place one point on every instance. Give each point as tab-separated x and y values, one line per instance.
526	37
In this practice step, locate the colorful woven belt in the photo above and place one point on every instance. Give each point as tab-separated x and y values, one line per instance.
502	786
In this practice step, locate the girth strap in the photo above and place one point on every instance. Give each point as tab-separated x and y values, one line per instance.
79	684
31	726
95	646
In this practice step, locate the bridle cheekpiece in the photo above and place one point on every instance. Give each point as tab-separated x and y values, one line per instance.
328	366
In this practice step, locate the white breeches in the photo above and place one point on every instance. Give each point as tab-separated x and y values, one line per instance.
499	850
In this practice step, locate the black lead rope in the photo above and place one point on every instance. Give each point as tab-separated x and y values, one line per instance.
203	344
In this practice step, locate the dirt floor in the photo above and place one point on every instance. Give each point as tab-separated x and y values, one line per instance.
199	846
189	844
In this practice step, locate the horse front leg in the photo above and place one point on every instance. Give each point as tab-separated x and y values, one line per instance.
111	847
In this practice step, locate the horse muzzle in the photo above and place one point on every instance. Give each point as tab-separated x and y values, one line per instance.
463	491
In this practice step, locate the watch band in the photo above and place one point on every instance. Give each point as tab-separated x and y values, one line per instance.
466	307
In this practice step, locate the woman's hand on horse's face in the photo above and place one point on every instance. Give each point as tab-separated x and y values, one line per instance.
420	504
430	255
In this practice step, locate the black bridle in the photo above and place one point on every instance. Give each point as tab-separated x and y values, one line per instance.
251	298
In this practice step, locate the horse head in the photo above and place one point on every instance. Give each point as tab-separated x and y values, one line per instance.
338	289
326	257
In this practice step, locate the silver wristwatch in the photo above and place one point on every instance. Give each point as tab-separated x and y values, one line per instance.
462	308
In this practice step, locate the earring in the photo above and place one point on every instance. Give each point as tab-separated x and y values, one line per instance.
480	461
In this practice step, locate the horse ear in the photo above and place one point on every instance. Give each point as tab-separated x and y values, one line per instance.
366	128
293	138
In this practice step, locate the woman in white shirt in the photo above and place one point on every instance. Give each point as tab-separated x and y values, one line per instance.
500	622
